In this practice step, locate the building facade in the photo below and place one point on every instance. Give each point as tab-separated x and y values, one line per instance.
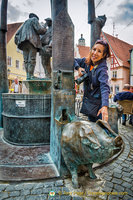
15	64
119	72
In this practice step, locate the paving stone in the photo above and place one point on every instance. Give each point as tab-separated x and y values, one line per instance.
60	197
126	185
117	175
38	185
126	164
77	198
65	189
129	192
19	198
103	197
10	198
116	180
129	180
37	191
110	173
36	197
88	198
59	183
19	187
14	193
119	188
131	172
29	186
4	195
127	197
126	174
48	184
131	177
119	167
113	197
115	164
108	178
129	159
111	167
107	189
46	190
108	184
106	169
10	188
117	171
25	192
126	169
3	187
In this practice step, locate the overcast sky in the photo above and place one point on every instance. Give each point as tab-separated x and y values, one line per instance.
118	12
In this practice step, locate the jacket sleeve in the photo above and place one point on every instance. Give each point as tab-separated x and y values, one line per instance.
38	28
79	62
104	87
115	98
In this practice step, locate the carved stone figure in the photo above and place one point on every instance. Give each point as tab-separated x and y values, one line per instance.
27	39
46	50
97	23
85	143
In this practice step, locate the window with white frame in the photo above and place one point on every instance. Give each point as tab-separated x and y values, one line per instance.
114	74
9	61
116	89
17	64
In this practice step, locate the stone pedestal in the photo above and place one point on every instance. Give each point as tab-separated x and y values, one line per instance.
26	118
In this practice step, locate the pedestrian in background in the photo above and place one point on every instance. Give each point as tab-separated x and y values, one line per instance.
126	94
96	88
16	87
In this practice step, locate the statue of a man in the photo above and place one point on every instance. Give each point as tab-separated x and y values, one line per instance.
27	39
46	51
97	23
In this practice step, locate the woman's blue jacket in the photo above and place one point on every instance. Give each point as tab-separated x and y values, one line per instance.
96	84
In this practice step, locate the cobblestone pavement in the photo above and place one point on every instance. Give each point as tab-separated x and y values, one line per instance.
114	181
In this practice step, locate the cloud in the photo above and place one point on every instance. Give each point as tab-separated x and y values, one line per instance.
14	13
124	13
28	3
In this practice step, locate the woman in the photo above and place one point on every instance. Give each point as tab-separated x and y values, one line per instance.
96	88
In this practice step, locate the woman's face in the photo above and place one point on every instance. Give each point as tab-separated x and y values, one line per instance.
97	53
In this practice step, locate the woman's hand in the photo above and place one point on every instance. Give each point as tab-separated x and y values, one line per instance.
80	71
104	112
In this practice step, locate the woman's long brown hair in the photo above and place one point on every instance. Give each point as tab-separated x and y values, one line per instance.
106	51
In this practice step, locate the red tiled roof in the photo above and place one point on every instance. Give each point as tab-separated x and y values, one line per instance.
120	48
11	30
83	51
